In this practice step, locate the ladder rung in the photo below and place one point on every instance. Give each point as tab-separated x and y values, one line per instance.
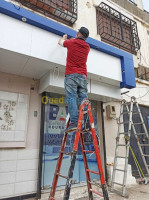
86	130
75	129
92	171
96	192
134	113
126	103
121	145
140	133
121	170
62	175
122	157
123	133
138	123
52	198
125	113
66	153
88	151
118	183
145	145
145	155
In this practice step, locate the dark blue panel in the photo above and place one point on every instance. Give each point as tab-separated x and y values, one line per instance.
127	73
128	76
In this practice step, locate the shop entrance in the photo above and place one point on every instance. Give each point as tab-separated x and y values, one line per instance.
54	124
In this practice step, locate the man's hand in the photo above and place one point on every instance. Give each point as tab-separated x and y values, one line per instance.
65	37
61	40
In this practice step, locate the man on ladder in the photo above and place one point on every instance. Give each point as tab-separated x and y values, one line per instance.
76	72
76	85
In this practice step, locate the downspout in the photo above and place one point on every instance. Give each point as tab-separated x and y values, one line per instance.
41	148
104	142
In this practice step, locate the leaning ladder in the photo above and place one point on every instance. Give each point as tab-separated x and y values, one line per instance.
79	135
131	126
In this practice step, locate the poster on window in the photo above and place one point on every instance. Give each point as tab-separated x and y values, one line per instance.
13	116
54	125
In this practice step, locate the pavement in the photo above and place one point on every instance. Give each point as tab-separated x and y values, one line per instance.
137	192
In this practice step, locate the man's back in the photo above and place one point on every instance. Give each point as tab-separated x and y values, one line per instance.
77	52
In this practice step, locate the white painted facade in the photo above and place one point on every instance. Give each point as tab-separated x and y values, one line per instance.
25	54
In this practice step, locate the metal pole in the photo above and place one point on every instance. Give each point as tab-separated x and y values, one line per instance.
41	149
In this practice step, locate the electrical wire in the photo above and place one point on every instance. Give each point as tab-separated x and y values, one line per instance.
139	97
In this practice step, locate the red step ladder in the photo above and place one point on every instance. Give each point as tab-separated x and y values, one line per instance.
79	135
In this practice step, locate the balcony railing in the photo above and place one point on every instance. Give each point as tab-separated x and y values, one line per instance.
117	29
62	10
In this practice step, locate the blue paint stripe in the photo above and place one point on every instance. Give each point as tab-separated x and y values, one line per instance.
34	19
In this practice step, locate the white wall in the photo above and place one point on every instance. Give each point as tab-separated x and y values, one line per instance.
18	167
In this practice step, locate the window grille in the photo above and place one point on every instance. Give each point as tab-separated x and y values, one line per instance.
117	29
62	10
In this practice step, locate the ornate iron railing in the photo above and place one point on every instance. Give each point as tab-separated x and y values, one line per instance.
62	10
117	29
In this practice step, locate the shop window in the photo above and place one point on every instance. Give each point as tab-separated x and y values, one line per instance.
54	125
117	29
64	11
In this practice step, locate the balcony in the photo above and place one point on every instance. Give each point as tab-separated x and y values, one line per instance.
64	11
117	29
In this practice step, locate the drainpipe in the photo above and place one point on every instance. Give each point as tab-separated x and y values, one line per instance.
104	142
41	148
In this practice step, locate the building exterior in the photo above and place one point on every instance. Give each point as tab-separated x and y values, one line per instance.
32	97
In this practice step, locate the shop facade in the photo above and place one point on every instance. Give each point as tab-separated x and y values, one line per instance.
32	66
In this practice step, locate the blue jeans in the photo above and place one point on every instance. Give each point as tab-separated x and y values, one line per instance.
75	86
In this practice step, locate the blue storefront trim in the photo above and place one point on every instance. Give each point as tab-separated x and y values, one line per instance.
127	64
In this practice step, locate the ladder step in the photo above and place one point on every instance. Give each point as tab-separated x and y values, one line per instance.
52	198
134	113
140	133
121	170
62	175
92	171
88	151
144	145
118	183
122	157
126	103
125	113
123	133
121	145
137	123
69	154
96	192
75	129
86	130
145	155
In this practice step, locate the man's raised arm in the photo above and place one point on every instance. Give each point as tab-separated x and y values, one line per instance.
61	40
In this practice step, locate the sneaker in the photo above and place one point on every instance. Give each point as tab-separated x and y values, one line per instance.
87	127
71	128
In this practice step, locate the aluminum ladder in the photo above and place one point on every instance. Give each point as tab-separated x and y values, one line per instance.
79	135
129	110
